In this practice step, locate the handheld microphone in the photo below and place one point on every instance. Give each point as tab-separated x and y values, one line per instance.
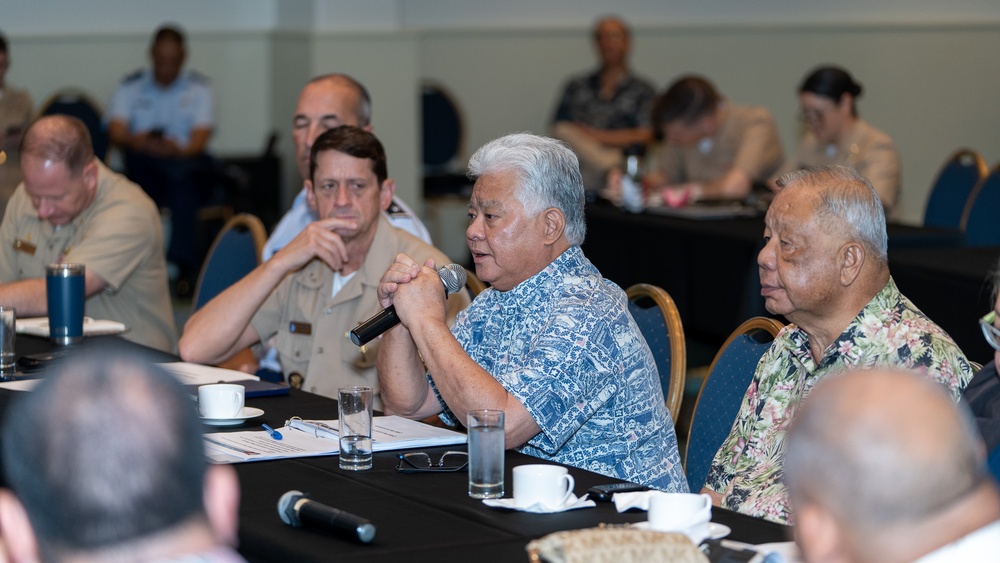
453	278
296	510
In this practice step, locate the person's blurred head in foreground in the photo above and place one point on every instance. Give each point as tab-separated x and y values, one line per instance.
882	466
104	461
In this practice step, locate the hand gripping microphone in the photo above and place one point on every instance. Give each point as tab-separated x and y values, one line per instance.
453	278
296	510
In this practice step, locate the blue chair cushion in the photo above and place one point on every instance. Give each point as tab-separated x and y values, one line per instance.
719	403
948	196
233	257
981	228
654	329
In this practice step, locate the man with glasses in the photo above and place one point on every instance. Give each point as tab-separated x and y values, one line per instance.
824	268
319	286
983	392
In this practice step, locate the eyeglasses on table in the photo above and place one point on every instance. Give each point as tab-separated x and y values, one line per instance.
421	462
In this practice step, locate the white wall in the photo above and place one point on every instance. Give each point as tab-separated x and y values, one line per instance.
924	63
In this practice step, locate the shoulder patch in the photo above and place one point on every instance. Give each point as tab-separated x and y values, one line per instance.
395	210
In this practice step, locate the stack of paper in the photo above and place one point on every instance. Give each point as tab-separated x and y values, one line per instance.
197	374
39	326
300	440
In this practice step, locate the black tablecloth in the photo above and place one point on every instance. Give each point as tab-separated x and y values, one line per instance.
419	517
709	266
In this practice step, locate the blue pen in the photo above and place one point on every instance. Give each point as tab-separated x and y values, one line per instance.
274	433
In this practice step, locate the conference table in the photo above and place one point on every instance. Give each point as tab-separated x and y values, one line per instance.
708	264
419	517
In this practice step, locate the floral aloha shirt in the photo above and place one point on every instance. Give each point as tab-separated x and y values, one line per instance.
564	345
890	330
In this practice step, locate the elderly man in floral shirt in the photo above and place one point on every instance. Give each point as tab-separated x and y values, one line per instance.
823	267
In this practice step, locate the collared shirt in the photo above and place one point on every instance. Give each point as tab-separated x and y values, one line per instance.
16	112
628	108
747	140
311	324
184	105
118	237
565	346
981	545
866	149
889	331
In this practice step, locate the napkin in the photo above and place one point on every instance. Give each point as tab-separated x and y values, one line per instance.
572	503
626	501
39	326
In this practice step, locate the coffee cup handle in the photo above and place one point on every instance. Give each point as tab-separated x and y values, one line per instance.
570	485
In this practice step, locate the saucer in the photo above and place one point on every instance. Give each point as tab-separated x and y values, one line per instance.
715	531
248	412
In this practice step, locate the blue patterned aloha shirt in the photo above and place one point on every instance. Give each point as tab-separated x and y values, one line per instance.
889	331
564	344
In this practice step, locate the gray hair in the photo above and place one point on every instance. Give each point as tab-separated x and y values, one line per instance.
847	197
548	175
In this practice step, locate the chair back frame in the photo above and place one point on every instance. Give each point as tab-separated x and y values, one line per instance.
475	285
678	350
993	177
241	221
965	159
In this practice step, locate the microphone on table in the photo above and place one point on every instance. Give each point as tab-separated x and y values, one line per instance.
453	278
297	510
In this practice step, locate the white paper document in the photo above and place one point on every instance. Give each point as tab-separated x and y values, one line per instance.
388	433
39	326
197	374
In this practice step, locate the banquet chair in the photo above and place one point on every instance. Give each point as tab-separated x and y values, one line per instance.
77	103
235	252
959	175
473	283
660	323
981	212
722	393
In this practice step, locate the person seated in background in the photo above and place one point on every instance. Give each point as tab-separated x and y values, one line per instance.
824	268
882	467
318	287
70	208
713	149
603	112
983	392
329	101
836	135
104	461
325	102
551	343
15	115
162	118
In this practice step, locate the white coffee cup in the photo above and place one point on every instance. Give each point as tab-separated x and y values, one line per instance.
679	512
220	400
549	485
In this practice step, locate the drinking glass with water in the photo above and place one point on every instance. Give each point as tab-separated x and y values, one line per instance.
355	416
486	449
